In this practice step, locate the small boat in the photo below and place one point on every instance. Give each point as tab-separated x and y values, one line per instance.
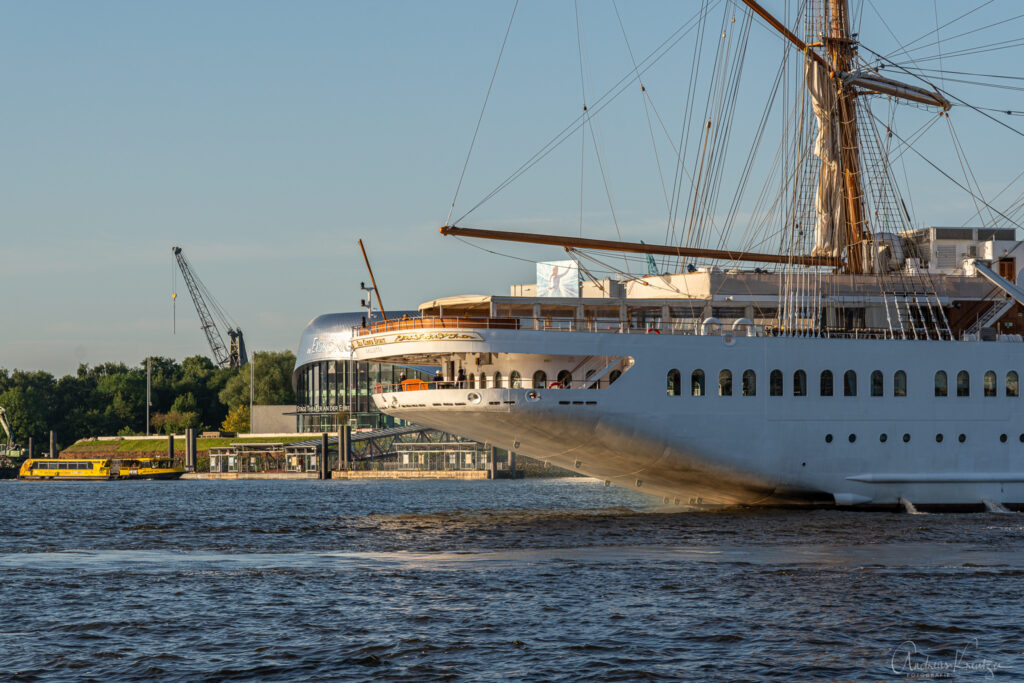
101	468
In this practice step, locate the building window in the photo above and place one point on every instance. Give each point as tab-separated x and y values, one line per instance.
799	383
826	383
565	379
850	383
941	383
749	383
515	380
963	383
497	380
697	383
1012	385
540	380
675	383
989	383
775	383
725	383
899	383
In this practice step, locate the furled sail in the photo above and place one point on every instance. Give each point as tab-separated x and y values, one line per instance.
829	202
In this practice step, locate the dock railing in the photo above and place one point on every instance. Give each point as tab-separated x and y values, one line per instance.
684	326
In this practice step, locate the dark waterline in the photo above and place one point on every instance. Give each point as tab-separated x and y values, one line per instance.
538	579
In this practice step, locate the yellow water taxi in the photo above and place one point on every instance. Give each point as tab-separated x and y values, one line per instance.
101	468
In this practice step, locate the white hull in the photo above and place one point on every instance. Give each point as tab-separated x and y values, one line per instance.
749	450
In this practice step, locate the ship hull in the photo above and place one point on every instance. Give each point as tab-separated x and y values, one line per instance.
863	449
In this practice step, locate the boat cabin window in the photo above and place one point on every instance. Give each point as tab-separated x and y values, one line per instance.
725	383
675	383
483	381
515	380
775	383
850	383
799	383
877	383
941	383
826	383
989	383
615	374
963	383
540	380
697	383
899	383
565	379
497	380
749	383
1012	384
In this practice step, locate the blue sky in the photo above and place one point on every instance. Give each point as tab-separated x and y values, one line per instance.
265	138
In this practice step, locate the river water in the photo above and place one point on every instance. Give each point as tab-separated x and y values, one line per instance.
553	579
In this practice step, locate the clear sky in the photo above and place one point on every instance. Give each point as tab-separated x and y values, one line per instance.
265	138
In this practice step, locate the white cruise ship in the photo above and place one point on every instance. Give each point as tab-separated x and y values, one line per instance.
864	364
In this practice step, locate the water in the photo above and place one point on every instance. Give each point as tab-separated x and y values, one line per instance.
477	580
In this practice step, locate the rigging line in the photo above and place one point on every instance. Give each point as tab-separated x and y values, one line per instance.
952	179
644	97
1008	186
881	18
938	38
945	92
604	179
491	251
948	23
583	89
972	73
977	50
607	98
964	164
483	108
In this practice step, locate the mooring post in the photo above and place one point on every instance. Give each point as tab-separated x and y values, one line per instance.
53	445
323	455
195	451
30	446
493	464
512	463
346	445
170	446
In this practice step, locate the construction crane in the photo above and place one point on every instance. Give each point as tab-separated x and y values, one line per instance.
224	356
9	451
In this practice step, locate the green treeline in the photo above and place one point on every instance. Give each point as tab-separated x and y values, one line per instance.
110	399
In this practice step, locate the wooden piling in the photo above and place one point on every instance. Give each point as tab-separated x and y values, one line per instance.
30	446
492	465
53	445
346	446
170	446
323	455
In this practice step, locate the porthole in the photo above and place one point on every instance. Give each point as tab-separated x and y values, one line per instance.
1022	438
1002	438
853	437
962	438
828	438
532	396
883	437
906	438
473	397
938	438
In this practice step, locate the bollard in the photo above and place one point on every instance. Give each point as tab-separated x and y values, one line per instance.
346	445
53	445
323	456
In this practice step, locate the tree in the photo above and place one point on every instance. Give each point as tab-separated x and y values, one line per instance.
237	420
273	370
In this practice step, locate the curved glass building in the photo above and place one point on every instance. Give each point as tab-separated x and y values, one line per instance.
333	389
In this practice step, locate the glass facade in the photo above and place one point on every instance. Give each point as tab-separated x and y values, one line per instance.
330	390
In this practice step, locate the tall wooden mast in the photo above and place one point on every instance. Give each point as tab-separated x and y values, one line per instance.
841	52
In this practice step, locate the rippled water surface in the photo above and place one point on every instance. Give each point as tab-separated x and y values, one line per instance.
538	579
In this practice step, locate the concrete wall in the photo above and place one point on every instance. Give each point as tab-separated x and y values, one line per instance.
272	419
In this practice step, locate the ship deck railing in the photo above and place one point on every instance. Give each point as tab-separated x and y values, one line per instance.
687	326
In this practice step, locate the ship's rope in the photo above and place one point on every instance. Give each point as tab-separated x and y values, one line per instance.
483	108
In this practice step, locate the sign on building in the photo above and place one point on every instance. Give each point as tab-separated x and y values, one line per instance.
558	278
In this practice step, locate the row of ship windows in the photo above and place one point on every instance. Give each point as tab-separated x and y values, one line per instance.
776	383
906	438
563	380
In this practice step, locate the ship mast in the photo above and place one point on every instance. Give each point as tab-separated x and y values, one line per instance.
840	48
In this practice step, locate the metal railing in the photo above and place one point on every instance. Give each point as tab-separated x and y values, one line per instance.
525	383
685	326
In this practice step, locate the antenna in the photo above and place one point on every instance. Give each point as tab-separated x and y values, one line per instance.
372	281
